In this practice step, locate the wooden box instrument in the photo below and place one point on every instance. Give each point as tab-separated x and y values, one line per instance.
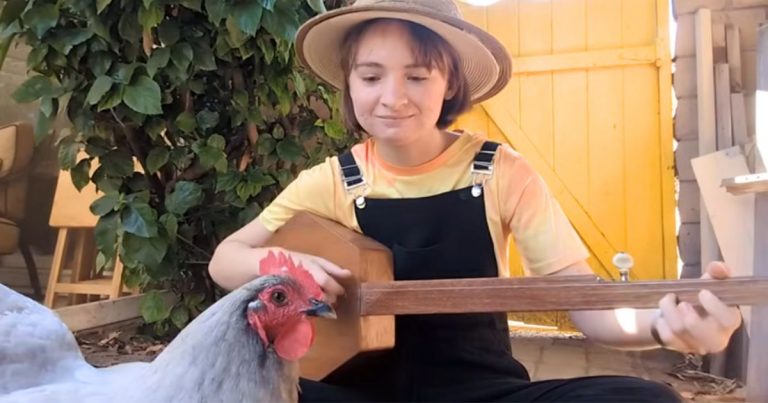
366	312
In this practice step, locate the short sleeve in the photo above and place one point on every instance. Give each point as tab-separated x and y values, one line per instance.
544	236
313	190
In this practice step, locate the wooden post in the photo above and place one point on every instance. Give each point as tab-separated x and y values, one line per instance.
757	366
705	98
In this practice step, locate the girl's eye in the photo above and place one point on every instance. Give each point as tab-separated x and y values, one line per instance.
370	79
417	78
279	298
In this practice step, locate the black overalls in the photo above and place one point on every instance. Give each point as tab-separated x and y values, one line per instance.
447	357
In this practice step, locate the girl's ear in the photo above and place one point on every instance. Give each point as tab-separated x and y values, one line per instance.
450	92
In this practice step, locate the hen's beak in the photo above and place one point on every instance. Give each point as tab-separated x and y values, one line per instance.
320	308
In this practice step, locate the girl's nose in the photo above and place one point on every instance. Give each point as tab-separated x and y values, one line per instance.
394	94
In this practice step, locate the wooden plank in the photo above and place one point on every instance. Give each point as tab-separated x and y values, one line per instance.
733	44
689	205
686	151
685	77
732	216
505	295
536	117
719	54
570	103
723	106
757	366
739	120
707	125
101	313
686	118
761	97
685	44
593	59
744	184
690	245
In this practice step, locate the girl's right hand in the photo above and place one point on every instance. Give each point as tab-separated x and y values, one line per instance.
325	273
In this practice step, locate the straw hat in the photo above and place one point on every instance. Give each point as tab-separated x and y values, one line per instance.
485	62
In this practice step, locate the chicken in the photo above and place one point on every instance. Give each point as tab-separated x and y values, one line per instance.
244	348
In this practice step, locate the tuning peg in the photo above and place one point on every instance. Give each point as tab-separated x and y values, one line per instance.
623	262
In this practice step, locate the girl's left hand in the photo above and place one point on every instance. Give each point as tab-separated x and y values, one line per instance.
701	330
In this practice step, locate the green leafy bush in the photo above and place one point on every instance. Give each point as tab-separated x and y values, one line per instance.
189	116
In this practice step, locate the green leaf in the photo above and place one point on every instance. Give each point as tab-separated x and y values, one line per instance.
68	154
104	205
207	119
184	196
245	190
99	63
128	27
153	308
139	219
283	22
204	58
147	3
216	141
11	12
42	125
105	234
181	55
180	316
113	98
154	127
101	5
267	48
169	32
143	96
268	4
186	122
289	150
248	16
41	18
32	89
216	10
192	4
180	158
266	145
317	5
65	39
171	224
298	83
36	56
236	36
334	129
117	163
209	156
81	174
123	73
227	181
156	159
151	16
158	60
99	88
146	251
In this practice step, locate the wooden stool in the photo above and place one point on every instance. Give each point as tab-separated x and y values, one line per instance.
76	250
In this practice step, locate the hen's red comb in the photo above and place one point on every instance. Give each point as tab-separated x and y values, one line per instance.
281	264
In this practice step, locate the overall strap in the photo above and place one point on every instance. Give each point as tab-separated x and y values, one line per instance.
482	166
354	182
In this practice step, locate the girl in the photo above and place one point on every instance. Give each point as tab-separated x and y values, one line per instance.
445	203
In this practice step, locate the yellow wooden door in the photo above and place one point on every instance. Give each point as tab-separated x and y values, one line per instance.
590	106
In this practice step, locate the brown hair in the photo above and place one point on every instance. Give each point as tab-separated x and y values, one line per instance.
430	50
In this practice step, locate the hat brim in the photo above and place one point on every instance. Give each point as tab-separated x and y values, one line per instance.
485	62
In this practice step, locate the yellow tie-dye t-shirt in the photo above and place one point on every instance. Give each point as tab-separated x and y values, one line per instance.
517	201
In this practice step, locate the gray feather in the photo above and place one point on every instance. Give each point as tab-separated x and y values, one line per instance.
216	358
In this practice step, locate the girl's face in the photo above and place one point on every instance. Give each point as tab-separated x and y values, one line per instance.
395	99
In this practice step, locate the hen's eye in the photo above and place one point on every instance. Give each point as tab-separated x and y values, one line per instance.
279	298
